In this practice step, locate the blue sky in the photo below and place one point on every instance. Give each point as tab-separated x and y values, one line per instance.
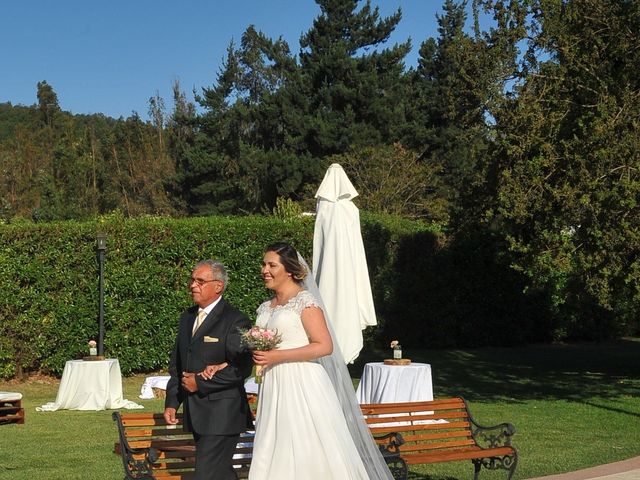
111	56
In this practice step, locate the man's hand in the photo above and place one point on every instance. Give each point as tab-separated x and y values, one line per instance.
189	382
170	416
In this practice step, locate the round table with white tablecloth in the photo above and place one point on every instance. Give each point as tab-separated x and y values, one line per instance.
382	383
158	382
90	385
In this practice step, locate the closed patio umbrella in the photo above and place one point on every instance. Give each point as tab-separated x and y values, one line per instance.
339	262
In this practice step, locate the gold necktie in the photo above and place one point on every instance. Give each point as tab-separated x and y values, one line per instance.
199	319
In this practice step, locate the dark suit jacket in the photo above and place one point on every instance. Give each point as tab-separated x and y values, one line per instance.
219	407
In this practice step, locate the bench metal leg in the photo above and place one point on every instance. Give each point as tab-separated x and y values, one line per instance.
508	463
397	466
476	468
512	467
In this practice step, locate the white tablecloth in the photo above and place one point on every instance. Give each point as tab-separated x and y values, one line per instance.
251	386
382	383
150	383
90	385
10	396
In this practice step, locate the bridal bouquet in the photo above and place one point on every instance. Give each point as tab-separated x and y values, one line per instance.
258	338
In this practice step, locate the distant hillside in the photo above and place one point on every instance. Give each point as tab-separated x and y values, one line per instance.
12	115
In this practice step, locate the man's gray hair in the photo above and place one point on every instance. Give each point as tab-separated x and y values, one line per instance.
218	271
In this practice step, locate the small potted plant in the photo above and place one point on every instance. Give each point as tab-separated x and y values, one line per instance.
93	350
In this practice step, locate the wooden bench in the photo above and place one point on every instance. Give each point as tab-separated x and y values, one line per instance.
442	431
152	449
11	410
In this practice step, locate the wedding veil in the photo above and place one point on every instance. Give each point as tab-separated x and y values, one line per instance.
339	374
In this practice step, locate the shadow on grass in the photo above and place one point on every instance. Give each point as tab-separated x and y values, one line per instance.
575	372
611	409
419	476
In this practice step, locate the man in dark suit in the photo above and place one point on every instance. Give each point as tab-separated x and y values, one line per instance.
216	408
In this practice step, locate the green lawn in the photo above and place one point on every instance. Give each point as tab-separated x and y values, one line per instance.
574	406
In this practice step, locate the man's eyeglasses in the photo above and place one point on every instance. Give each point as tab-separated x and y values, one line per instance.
200	281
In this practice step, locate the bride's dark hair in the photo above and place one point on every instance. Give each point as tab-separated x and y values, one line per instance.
289	259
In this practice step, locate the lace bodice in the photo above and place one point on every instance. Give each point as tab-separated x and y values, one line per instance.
286	319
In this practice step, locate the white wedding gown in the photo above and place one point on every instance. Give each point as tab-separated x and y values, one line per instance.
301	432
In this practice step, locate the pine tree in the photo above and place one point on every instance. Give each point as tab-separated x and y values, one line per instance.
351	89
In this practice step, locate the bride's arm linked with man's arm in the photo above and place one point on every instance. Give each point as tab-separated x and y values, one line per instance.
211	370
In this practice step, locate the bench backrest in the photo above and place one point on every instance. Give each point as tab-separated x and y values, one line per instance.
438	425
175	447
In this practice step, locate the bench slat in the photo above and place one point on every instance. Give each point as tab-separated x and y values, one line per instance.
404	407
430	437
147	422
162	443
410	428
420	447
148	432
176	465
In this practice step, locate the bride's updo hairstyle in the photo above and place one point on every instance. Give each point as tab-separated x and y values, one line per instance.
289	259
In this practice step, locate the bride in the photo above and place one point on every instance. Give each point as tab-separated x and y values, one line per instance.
308	423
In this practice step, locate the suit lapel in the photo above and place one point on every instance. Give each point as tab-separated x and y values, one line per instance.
209	320
189	325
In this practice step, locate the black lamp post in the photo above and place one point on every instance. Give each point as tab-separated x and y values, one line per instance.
102	248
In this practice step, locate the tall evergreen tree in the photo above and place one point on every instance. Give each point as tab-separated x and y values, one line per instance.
181	133
47	102
457	85
350	88
269	120
570	162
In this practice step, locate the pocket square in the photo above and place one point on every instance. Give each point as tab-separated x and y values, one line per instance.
208	339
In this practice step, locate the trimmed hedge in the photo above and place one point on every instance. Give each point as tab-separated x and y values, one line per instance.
428	291
49	275
49	278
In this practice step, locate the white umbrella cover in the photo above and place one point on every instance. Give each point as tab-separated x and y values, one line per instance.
339	262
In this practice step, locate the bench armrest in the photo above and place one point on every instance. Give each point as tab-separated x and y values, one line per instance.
490	436
138	469
494	436
392	444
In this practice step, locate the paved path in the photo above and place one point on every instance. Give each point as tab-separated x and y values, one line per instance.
624	470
